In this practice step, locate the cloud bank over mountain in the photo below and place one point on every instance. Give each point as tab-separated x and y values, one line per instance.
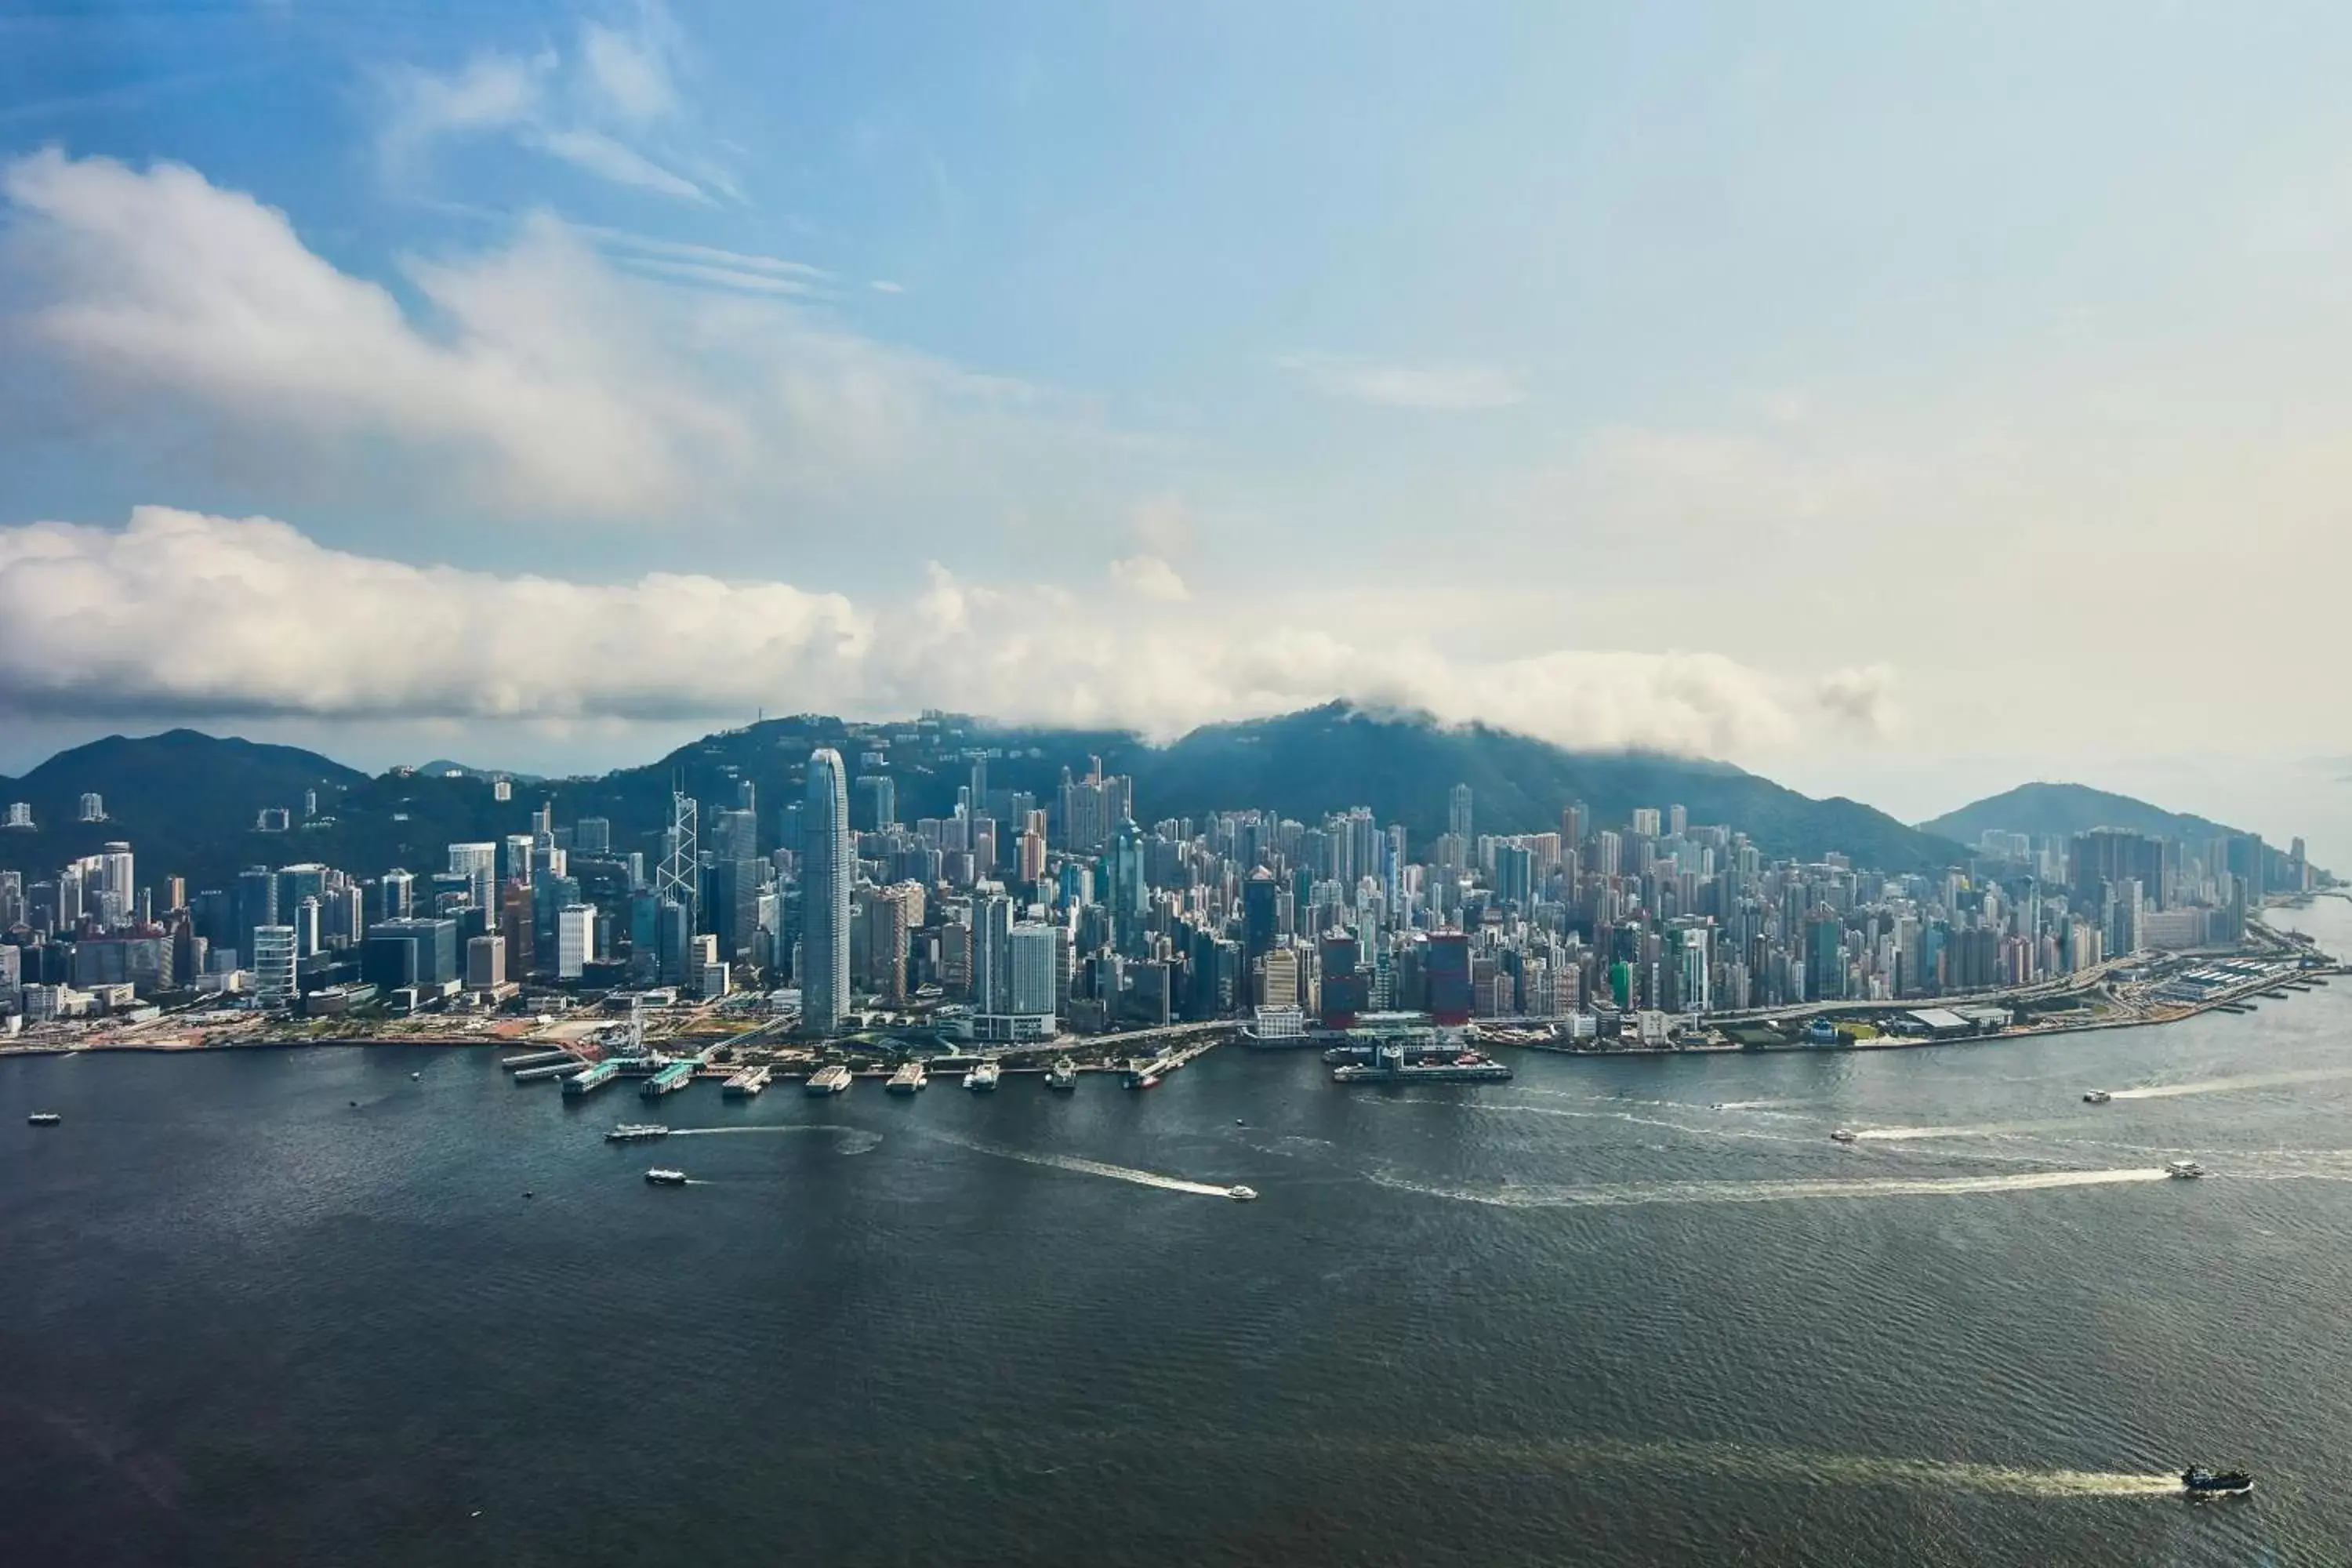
181	615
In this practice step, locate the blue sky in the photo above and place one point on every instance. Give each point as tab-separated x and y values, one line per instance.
1899	400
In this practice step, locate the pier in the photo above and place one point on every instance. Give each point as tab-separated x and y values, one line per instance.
1159	1067
570	1063
671	1078
589	1080
539	1059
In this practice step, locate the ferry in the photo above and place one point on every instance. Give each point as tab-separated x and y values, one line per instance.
832	1080
1466	1069
669	1081
1242	1194
983	1079
746	1083
909	1079
2096	1097
1843	1135
1062	1076
2183	1170
660	1176
43	1118
2199	1481
637	1132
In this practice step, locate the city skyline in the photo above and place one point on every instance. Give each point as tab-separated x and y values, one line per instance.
855	360
1022	911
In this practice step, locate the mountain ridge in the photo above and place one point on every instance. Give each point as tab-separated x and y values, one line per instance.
2056	808
187	801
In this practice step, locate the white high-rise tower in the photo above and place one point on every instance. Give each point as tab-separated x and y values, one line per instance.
828	866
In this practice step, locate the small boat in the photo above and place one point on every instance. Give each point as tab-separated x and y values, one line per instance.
1062	1076
355	1105
637	1132
1242	1194
2096	1097
1143	1080
2183	1170
983	1079
415	1077
2199	1481
1843	1135
1239	1122
45	1119
660	1176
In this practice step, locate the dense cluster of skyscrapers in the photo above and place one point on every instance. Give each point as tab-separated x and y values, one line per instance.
1010	917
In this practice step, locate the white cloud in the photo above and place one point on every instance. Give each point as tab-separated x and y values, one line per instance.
1434	386
592	108
602	156
720	276
629	69
1150	577
490	92
539	381
625	244
883	285
181	615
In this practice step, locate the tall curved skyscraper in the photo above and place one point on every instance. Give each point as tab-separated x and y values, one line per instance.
828	866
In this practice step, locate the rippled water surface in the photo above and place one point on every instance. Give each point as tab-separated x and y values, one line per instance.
1617	1311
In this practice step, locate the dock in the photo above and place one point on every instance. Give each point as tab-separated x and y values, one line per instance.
589	1080
1159	1067
569	1064
539	1059
669	1081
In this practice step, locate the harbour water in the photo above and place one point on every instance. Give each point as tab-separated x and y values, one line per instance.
1617	1311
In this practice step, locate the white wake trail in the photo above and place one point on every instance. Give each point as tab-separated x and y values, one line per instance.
1988	1130
1087	1167
2227	1085
1771	1192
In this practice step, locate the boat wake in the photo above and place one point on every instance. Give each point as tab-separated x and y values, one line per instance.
1989	1130
1536	1196
1088	1167
2226	1085
1781	1466
855	1140
1491	1108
